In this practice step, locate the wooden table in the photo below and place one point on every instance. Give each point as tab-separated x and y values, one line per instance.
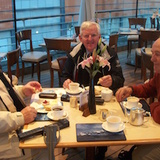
148	133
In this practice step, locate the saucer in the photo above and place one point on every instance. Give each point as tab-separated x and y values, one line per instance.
128	107
74	92
49	115
105	127
42	110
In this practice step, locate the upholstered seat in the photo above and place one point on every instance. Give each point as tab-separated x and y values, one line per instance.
133	37
14	80
35	56
147	50
54	64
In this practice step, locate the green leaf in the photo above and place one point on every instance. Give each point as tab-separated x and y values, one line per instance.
99	42
98	50
95	72
104	48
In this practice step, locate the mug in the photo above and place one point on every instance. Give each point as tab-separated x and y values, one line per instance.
73	86
113	122
132	101
57	111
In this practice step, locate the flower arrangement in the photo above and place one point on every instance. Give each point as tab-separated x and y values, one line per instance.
93	63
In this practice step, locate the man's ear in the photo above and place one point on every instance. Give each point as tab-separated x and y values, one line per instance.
80	37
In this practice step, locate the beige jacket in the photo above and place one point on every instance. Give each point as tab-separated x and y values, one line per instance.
9	122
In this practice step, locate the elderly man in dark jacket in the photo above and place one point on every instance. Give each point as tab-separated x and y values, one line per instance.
89	37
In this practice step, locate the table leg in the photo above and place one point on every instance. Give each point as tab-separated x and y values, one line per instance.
90	153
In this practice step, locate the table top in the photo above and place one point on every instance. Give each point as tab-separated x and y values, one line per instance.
129	31
73	43
148	133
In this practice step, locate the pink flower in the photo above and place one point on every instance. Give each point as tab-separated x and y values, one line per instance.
86	62
94	62
103	62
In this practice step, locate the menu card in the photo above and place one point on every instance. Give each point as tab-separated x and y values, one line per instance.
94	132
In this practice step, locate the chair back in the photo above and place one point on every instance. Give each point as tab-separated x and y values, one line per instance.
134	22
77	30
113	39
153	22
147	64
13	59
24	35
158	24
148	37
61	62
57	44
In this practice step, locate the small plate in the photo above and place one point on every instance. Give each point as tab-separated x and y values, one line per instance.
105	127
98	90
42	110
74	92
128	107
49	115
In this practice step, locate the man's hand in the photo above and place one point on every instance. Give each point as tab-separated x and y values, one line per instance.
105	81
66	83
123	93
31	87
29	114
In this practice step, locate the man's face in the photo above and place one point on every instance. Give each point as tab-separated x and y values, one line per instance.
90	38
156	55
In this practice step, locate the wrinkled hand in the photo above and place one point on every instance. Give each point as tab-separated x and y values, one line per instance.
66	83
31	87
105	81
29	114
123	93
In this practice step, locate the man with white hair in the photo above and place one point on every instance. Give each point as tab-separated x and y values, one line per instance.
146	90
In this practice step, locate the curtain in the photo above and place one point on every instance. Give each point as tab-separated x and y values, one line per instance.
86	11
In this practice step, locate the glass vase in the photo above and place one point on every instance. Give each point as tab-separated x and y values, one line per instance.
91	97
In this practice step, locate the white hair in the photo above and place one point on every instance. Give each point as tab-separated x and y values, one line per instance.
87	24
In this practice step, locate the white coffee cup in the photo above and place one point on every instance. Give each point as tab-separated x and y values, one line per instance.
106	94
113	122
73	86
57	111
132	101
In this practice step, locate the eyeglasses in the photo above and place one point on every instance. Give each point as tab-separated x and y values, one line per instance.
92	36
